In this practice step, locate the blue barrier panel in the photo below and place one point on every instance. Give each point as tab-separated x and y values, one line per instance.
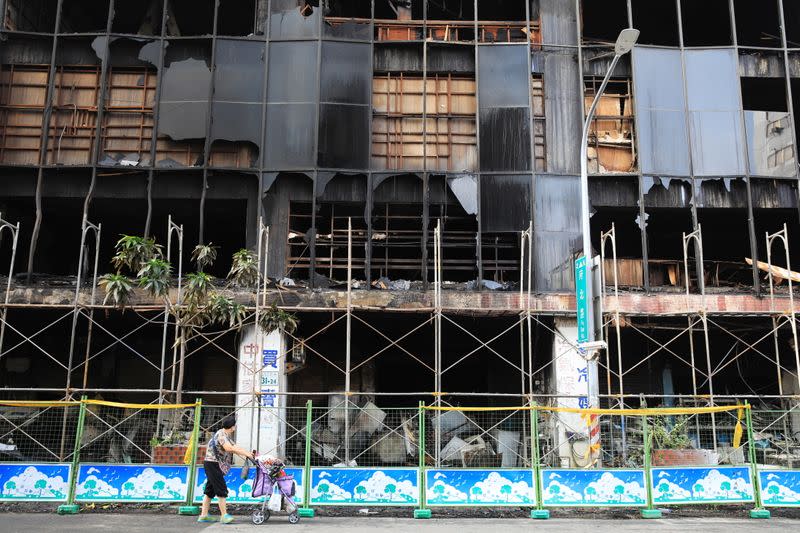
593	488
34	482
478	487
365	486
780	488
241	490
132	483
704	484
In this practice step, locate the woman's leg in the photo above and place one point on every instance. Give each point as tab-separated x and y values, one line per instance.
223	506
205	507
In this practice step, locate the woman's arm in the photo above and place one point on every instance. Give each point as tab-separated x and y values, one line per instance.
238	450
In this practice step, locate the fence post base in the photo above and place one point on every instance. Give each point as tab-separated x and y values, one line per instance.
189	510
69	508
760	513
422	514
305	512
651	513
540	514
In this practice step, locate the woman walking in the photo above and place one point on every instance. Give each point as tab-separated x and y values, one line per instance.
217	463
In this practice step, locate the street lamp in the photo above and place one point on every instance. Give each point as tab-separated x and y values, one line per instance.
625	41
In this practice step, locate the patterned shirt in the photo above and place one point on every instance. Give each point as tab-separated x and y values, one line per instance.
218	440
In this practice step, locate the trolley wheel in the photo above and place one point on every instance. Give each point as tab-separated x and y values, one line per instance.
294	518
259	516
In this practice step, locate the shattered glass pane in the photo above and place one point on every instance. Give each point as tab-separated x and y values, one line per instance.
770	148
503	75
293	18
465	189
666	192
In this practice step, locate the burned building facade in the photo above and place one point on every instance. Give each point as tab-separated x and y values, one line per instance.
407	172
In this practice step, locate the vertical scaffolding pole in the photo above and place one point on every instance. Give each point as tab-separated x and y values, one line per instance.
347	341
14	229
86	227
437	295
261	290
178	230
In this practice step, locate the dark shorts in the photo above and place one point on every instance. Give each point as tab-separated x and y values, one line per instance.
215	480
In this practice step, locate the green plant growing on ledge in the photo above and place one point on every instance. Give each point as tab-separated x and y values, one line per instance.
202	305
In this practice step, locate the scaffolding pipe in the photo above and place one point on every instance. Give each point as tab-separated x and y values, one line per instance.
14	229
349	324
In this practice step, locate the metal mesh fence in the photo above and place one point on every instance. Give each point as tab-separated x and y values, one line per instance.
776	436
133	434
37	433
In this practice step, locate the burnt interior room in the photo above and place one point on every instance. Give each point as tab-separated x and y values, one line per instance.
775	203
401	9
764	94
667	217
84	16
141	17
450	9
615	201
37	16
602	21
657	20
758	23
706	23
795	87
791	17
358	9
192	17
397	231
237	17
508	10
459	224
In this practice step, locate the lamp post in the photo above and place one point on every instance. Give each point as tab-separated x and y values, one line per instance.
625	41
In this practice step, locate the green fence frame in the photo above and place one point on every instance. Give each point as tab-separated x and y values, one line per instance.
538	510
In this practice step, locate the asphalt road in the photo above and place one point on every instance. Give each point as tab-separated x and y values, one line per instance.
142	523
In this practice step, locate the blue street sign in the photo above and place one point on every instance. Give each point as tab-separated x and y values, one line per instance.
581	293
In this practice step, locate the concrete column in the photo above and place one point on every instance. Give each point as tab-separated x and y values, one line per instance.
572	381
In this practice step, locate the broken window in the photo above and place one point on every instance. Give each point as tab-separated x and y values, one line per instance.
23	94
183	108
770	147
291	19
775	204
445	140
127	131
557	233
504	92
668	214
292	85
503	21
83	16
660	111
236	111
454	203
706	23
237	17
714	112
757	23
657	20
611	146
396	239
399	20
602	21
344	109
341	198
723	219
505	211
74	117
190	17
791	18
140	17
615	202
349	19
30	16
